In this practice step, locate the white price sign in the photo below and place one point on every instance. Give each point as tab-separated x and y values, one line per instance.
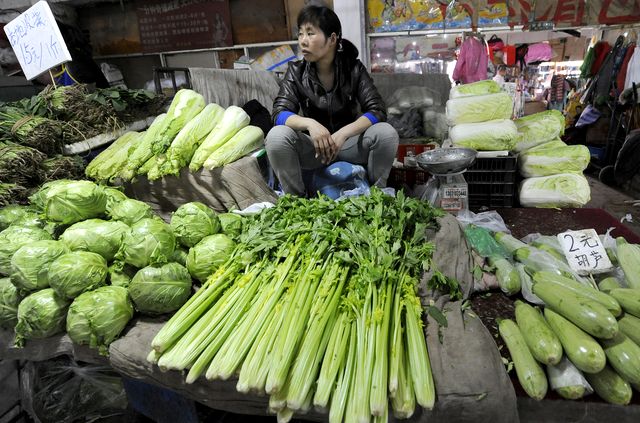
36	40
584	251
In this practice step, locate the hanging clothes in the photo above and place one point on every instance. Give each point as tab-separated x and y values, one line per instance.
585	69
472	61
601	51
539	52
622	74
633	69
557	92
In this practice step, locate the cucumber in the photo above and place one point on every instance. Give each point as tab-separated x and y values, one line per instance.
529	372
624	356
610	386
630	326
628	298
607	284
579	289
588	315
507	275
583	351
542	342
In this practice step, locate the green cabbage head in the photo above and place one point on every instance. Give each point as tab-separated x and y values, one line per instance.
76	272
14	237
74	201
231	224
114	196
96	235
121	275
149	241
40	315
30	264
9	300
192	222
131	211
14	213
208	255
162	289
97	317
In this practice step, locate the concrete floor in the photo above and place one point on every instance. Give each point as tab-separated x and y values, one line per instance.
617	203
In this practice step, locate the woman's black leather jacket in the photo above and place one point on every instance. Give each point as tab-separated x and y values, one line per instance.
301	89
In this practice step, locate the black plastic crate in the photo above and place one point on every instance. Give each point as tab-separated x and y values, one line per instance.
492	182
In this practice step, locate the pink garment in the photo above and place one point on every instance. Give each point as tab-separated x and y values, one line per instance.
540	52
472	62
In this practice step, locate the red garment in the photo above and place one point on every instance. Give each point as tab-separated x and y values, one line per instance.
472	61
601	50
622	73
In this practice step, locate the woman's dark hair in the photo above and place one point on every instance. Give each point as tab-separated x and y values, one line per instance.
326	19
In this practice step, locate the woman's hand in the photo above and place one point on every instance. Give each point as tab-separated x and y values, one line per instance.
322	141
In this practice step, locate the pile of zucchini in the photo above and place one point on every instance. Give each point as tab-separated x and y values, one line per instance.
587	336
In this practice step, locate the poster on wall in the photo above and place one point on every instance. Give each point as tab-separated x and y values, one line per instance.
112	29
494	14
404	15
183	24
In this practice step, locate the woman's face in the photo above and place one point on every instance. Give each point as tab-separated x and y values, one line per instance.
313	43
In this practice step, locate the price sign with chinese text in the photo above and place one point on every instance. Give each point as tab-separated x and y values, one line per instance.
584	251
36	40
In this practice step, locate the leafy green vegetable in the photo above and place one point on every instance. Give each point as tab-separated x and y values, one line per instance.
131	211
95	235
561	190
208	255
14	213
554	160
114	196
9	300
193	221
539	128
242	143
143	151
162	289
97	317
149	241
77	272
185	106
121	275
480	108
180	256
231	224
488	86
40	315
74	201
233	119
30	264
487	136
14	237
189	138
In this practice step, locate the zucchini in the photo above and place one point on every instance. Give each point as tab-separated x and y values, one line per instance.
607	284
567	380
624	356
579	289
508	242
542	342
630	326
557	254
610	386
588	315
529	372
507	275
629	259
628	298
583	351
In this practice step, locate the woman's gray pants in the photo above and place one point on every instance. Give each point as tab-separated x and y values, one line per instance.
290	152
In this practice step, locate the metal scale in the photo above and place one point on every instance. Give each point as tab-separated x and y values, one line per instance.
447	189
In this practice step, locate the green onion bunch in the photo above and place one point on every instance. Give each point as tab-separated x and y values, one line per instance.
317	307
20	164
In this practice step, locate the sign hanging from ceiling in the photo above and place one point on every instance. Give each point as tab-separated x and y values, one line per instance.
36	40
183	24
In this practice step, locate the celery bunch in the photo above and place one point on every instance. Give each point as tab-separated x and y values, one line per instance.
316	307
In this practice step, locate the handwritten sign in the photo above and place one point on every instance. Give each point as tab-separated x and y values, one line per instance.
584	251
36	40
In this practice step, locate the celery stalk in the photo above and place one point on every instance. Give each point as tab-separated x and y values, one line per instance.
379	401
418	355
345	383
333	361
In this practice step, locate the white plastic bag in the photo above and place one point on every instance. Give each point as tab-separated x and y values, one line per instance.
526	286
567	380
490	220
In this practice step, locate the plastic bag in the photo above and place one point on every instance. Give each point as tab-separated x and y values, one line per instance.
526	285
61	390
490	220
567	380
483	242
413	96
